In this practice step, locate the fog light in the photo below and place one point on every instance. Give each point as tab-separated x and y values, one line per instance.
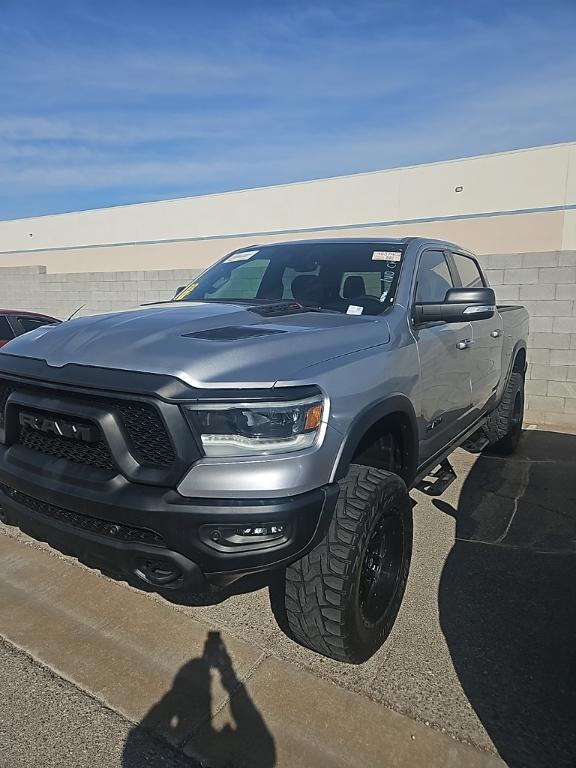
262	535
261	530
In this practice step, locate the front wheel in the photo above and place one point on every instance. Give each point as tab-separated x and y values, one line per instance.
342	598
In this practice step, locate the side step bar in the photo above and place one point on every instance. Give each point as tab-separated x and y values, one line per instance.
438	481
476	445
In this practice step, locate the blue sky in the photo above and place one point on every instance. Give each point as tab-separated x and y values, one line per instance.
104	103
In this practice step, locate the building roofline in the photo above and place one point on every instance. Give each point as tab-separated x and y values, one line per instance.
294	183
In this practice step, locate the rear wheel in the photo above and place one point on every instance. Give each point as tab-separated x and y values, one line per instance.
504	425
341	599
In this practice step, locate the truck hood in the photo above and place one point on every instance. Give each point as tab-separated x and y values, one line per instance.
203	344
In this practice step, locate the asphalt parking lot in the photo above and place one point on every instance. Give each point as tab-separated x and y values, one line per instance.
483	652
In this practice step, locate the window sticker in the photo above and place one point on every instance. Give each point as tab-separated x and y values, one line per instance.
186	292
354	310
242	256
393	256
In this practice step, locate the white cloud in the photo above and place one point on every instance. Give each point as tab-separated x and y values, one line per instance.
288	94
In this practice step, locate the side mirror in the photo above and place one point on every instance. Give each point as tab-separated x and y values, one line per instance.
460	305
178	290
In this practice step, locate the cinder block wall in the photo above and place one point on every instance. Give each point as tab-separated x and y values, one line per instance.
61	294
545	283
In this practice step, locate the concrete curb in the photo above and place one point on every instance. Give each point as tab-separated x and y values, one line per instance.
218	698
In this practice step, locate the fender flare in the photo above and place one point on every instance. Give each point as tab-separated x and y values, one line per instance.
520	345
397	403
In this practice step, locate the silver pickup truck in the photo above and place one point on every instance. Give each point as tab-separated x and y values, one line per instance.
270	419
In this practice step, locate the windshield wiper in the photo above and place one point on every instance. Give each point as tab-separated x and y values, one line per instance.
276	305
200	301
316	308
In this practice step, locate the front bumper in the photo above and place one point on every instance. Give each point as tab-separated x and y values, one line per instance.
112	501
154	535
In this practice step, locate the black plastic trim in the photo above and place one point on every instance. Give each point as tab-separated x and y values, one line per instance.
114	382
518	347
51	400
175	518
366	419
111	381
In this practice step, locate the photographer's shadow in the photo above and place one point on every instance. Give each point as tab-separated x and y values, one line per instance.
184	717
507	599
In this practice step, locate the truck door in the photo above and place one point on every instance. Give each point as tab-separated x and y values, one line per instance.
445	381
487	337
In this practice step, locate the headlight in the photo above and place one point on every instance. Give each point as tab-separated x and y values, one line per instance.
249	429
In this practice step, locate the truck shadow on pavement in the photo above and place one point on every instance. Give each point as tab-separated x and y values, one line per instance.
184	717
507	599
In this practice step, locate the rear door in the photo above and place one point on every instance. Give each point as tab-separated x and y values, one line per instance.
445	381
6	332
487	336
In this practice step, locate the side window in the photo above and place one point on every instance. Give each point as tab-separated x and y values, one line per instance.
470	276
433	279
243	281
6	332
31	323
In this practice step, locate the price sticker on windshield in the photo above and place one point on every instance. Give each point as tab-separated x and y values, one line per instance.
393	256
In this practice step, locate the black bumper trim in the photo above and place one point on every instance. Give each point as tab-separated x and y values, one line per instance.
121	558
84	522
177	520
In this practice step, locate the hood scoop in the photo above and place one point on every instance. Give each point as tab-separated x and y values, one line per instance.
232	333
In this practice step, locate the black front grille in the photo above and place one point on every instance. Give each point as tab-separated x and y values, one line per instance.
147	436
93	454
147	433
86	523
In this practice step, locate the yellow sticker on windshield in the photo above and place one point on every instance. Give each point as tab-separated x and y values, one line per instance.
186	292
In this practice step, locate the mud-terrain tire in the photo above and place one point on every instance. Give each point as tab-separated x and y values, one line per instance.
504	425
342	598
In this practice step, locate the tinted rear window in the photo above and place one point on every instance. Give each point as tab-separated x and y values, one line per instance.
6	332
31	323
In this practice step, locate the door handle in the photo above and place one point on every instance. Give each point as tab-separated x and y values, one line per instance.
465	344
495	334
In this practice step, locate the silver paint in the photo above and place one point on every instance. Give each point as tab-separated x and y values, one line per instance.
357	361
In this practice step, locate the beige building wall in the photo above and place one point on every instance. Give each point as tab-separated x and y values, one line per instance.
522	201
518	233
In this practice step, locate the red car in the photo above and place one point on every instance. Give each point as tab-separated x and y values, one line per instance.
14	322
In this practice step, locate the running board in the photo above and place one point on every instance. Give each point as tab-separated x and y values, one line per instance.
439	480
475	446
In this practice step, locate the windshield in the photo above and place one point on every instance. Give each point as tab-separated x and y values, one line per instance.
353	278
